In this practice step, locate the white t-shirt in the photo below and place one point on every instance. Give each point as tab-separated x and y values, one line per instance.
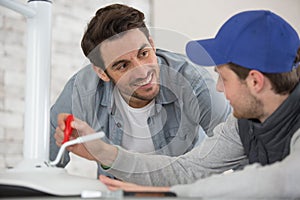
137	136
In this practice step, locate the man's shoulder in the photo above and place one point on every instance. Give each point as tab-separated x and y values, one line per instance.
176	65
169	57
229	128
86	80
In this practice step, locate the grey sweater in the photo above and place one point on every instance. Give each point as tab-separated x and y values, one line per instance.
217	154
277	181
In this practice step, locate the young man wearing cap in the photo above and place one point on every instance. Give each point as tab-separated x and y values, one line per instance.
257	55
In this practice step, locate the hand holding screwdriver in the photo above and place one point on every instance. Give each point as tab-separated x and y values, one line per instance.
70	129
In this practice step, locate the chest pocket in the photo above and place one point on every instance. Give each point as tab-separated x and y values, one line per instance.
171	133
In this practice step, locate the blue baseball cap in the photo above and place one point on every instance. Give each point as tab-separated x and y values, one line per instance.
258	39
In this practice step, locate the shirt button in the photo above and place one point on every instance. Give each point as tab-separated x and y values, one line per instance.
119	125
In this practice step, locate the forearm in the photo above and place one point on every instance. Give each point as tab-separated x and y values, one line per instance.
146	169
215	155
157	170
107	155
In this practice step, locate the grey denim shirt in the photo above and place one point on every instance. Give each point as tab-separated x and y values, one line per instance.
187	105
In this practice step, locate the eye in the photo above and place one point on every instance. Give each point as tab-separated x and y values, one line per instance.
144	53
122	66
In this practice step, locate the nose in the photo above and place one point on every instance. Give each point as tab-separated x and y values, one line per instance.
139	69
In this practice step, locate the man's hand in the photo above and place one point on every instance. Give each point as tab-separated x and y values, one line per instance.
94	150
78	149
113	184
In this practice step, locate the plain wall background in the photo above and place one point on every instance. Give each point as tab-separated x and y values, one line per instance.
201	19
184	20
175	22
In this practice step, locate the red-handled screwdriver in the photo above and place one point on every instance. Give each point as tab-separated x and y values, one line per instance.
68	128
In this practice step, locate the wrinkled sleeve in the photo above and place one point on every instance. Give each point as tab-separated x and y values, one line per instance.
216	154
277	181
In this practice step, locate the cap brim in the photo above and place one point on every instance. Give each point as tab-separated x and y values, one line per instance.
204	52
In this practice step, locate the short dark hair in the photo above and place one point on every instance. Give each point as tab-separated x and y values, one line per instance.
107	22
282	83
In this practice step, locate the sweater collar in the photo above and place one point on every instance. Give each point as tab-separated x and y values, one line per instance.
290	105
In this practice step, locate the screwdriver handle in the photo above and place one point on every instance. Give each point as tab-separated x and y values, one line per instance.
68	129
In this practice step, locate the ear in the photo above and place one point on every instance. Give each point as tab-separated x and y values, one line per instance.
152	43
256	80
101	74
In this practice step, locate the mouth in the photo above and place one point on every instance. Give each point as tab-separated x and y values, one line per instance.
145	81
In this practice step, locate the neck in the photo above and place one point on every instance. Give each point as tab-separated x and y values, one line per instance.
135	102
271	104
